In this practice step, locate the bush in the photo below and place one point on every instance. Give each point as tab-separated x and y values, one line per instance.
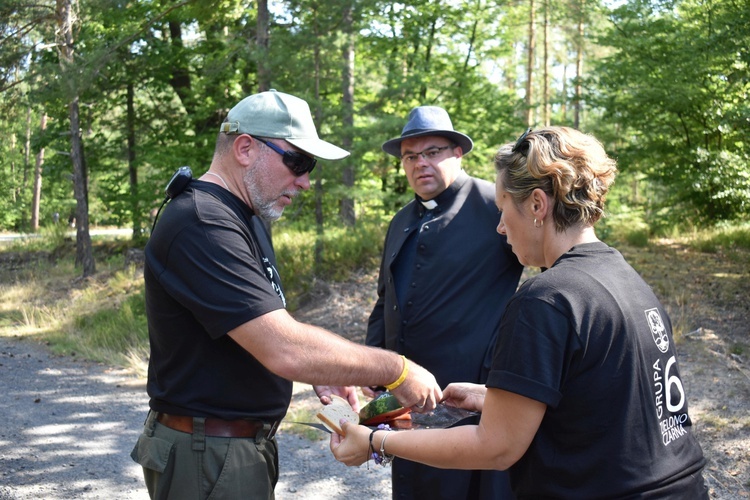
721	237
342	250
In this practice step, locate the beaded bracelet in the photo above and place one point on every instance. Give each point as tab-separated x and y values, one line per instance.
379	458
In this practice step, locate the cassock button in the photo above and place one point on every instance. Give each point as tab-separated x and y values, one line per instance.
395	308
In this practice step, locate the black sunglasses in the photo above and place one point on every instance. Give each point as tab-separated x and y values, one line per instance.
299	163
521	142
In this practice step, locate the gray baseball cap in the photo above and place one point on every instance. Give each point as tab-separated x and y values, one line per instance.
280	116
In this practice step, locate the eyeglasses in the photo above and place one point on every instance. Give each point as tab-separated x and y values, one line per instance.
428	154
299	163
520	143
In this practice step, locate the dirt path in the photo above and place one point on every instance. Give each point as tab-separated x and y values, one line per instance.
69	426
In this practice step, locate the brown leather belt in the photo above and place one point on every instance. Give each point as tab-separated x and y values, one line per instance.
216	427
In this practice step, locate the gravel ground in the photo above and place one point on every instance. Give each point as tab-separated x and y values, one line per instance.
69	427
48	402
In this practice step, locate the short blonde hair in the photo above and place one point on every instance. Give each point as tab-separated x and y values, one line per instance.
568	165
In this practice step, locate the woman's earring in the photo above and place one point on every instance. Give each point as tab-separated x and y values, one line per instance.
538	223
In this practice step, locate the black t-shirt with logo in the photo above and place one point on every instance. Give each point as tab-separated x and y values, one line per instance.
209	268
589	338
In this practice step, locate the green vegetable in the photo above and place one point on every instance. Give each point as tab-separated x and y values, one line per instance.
381	409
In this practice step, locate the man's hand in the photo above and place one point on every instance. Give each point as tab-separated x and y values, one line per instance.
420	390
349	393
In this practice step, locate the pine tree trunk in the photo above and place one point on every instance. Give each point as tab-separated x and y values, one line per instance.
132	168
262	39
84	251
347	214
530	65
546	91
36	195
579	71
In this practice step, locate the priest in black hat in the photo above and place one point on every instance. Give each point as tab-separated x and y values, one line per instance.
445	277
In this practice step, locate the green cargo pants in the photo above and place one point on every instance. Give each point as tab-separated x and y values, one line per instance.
179	466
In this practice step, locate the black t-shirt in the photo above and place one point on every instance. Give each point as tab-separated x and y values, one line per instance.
589	339
209	268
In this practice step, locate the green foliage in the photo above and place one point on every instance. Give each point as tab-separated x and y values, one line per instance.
117	328
56	235
726	238
738	349
715	184
667	93
676	84
627	226
343	251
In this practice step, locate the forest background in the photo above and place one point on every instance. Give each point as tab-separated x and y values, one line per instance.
103	100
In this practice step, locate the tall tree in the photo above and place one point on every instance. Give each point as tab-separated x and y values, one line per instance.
687	75
262	37
578	98
130	124
37	189
348	216
66	21
546	67
318	113
531	57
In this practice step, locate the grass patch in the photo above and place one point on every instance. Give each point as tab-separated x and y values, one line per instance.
626	226
300	413
103	317
727	239
738	349
340	250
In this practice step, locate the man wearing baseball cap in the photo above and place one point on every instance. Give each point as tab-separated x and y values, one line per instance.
445	278
224	350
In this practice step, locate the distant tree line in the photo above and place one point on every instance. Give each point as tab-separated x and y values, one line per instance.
102	100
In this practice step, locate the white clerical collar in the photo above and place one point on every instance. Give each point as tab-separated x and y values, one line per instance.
429	204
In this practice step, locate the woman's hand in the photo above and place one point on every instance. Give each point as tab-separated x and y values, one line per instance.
354	447
465	395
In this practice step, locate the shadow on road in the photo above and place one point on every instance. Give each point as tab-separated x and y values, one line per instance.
68	427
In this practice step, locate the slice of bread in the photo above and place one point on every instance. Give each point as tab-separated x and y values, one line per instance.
332	414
